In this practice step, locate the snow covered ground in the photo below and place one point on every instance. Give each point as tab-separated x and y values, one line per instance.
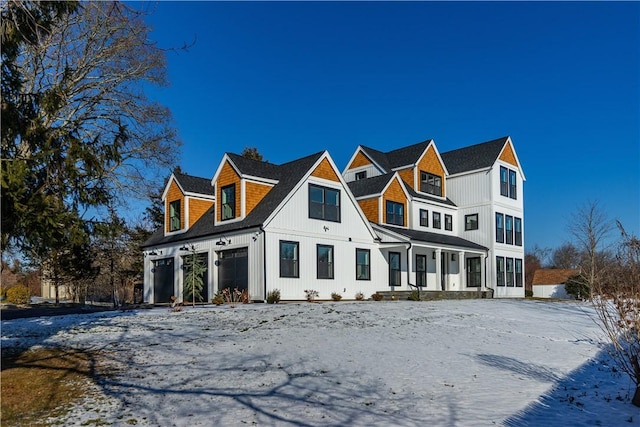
445	363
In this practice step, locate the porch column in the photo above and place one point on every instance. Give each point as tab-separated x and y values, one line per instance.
438	269
483	272
462	269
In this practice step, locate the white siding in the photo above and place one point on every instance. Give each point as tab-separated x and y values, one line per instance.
350	175
470	189
550	291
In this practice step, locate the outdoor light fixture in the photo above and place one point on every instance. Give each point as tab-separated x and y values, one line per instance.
184	248
224	242
153	253
434	255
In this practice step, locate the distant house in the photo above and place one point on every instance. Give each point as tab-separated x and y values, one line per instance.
549	282
392	220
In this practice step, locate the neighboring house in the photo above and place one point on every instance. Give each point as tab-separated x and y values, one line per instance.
391	221
549	282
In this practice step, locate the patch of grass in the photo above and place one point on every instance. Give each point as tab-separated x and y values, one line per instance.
43	383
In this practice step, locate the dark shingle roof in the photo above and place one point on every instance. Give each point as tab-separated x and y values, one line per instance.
290	174
396	158
194	184
370	186
255	167
474	157
428	237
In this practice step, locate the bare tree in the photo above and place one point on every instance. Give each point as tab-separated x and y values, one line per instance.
566	256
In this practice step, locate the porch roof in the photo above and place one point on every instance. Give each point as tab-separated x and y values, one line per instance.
417	236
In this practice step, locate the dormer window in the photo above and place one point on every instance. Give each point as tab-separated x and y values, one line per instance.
174	215
361	175
228	204
431	184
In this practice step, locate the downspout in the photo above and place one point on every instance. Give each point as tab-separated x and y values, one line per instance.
264	262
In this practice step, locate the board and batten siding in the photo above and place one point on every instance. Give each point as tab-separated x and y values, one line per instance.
471	188
350	174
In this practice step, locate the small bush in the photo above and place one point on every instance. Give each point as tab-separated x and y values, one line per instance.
528	293
377	297
578	287
414	295
311	294
359	296
336	296
19	294
217	299
273	297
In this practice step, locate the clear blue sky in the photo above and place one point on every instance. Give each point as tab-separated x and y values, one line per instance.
294	78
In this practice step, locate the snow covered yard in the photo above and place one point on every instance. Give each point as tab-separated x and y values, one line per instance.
445	363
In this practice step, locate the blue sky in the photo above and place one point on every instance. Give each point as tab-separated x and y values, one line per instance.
294	78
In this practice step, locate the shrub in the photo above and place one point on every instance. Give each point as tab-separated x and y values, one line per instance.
311	294
377	297
359	296
235	296
19	294
528	293
578	287
414	295
336	296
273	297
217	299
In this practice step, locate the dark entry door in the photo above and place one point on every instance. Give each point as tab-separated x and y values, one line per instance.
204	259
162	280
233	269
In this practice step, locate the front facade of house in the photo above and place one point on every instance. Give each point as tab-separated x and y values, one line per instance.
393	220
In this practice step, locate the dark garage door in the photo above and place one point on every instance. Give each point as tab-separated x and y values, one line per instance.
233	271
163	280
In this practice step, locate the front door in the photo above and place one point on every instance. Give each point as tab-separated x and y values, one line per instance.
233	269
162	280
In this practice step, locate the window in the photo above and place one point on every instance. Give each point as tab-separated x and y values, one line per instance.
471	222
174	215
504	183
474	273
500	270
424	218
228	202
517	222
394	268
363	264
448	222
324	203
421	271
325	261
289	259
361	175
510	272
395	213
436	220
499	228
518	273
508	225
512	184
430	183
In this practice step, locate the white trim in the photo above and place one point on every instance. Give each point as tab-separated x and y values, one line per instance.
519	166
166	188
260	180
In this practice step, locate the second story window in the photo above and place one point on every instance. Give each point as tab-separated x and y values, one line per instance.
448	222
174	215
508	183
471	222
395	213
228	205
424	218
361	175
517	222
436	220
508	226
430	183
499	228
324	203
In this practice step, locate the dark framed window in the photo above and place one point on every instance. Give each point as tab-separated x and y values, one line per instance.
500	270
499	228
394	269
395	213
424	218
508	227
436	220
474	272
324	261
324	203
289	259
448	222
174	215
430	183
363	264
361	175
471	222
513	187
504	181
519	279
509	271
228	202
517	225
421	271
